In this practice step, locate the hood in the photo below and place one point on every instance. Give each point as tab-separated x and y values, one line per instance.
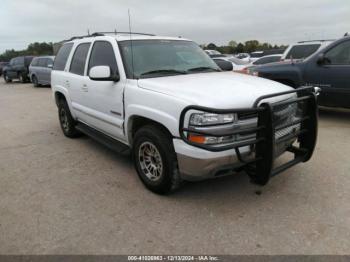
221	90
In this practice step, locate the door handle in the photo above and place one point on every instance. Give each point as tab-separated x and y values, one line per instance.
85	88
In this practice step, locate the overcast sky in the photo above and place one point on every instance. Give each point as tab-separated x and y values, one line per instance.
274	21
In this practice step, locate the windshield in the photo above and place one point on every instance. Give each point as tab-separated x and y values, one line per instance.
156	58
302	51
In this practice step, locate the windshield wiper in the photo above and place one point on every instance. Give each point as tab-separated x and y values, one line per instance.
166	71
203	68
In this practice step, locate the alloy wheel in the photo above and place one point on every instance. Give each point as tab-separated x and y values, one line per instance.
64	120
150	161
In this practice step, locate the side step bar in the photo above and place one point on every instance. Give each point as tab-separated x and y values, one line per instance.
103	139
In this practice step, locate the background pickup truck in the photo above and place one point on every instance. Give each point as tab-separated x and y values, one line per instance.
328	69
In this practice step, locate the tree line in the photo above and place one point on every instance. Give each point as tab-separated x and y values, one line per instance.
247	47
38	49
34	49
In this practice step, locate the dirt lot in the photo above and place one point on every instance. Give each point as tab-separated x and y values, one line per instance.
62	196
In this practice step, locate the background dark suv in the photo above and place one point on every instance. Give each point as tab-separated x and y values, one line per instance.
328	69
18	68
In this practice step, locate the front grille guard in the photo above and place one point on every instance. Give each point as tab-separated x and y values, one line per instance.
264	144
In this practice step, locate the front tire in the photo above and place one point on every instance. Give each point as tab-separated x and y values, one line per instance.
66	120
35	81
21	78
7	79
155	160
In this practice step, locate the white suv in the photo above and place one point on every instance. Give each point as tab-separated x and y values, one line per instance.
304	49
180	115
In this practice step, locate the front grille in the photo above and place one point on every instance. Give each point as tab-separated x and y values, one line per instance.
286	131
283	115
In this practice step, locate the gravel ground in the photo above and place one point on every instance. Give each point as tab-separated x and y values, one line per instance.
63	196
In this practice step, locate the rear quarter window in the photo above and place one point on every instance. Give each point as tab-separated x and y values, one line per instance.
42	62
35	62
62	57
302	51
79	59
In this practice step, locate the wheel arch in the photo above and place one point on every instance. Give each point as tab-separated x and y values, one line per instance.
135	122
59	96
33	74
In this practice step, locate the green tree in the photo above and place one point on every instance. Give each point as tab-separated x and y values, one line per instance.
35	49
251	46
240	48
211	46
232	44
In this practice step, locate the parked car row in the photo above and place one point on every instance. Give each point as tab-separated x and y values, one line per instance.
28	68
298	51
322	63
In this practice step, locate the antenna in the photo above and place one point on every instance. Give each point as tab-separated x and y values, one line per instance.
88	32
131	45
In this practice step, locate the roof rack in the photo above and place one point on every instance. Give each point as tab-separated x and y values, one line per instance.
95	34
118	33
323	40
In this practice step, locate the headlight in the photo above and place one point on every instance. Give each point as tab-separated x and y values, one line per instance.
209	119
253	72
211	122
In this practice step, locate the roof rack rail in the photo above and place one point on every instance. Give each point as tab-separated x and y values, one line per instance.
117	32
323	40
80	37
95	34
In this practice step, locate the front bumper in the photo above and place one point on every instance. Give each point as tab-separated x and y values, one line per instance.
271	138
199	164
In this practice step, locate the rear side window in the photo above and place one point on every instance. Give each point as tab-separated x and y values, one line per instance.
35	62
19	61
79	59
62	56
302	51
42	62
49	62
102	54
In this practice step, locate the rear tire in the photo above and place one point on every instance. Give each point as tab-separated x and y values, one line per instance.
66	120
21	78
6	78
35	81
155	160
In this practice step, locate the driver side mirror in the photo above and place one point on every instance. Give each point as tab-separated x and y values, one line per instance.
103	73
322	59
224	65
